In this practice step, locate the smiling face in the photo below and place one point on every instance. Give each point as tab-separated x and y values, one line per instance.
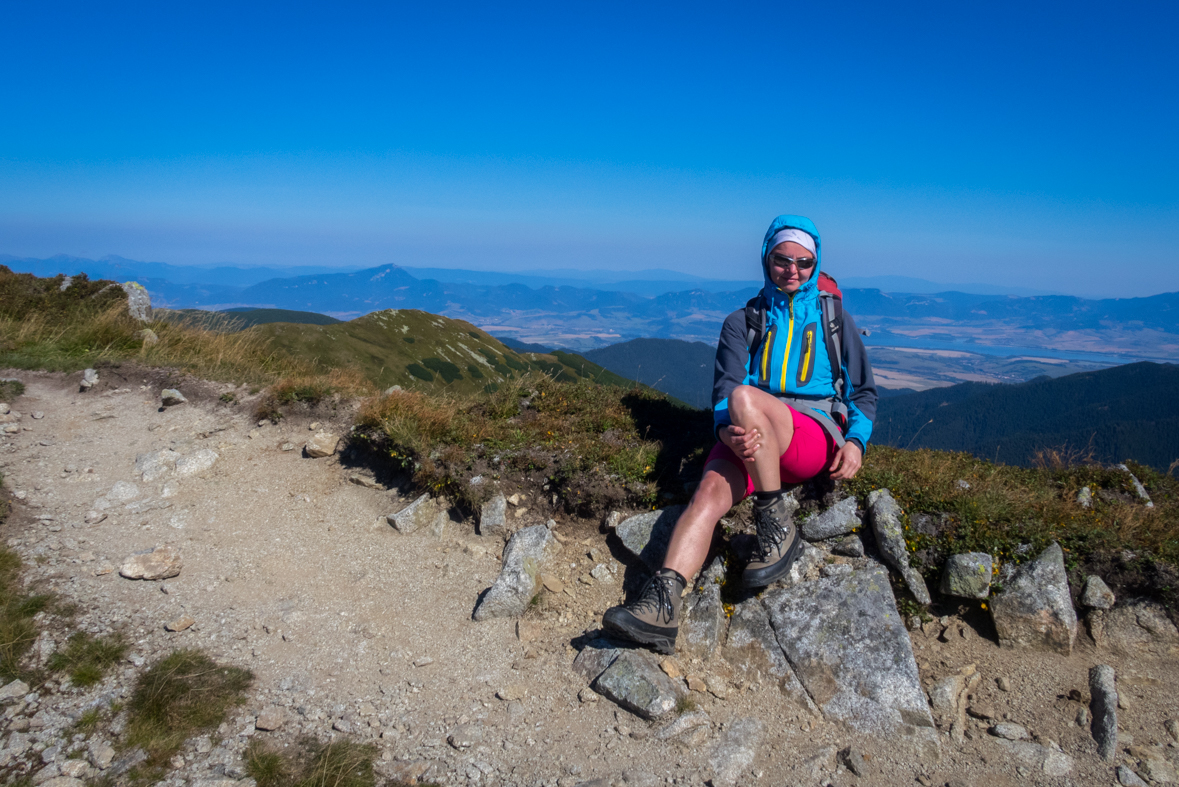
788	277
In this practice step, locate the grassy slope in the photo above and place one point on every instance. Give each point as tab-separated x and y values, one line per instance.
240	319
423	351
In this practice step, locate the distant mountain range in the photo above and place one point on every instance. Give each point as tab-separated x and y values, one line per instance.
1125	412
589	316
682	369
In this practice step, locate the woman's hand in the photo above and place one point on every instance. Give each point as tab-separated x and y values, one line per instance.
744	444
847	461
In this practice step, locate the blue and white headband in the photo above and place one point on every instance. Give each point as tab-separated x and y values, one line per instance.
803	239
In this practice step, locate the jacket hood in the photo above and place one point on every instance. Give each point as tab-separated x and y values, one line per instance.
797	223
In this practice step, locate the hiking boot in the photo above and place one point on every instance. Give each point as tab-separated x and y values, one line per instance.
778	543
654	617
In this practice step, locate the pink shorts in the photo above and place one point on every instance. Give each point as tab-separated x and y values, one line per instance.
810	452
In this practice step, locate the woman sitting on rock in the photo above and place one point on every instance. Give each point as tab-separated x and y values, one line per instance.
781	415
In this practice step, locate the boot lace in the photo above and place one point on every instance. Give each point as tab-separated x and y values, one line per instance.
656	596
770	532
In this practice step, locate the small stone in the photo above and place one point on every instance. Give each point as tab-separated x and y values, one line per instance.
1010	731
734	753
1155	768
465	736
849	546
1104	704
854	761
180	624
38	415
271	718
551	583
1127	777
670	668
1096	594
1082	717
511	693
424	661
518	578
1172	728
1003	683
514	500
493	516
287	447
634	681
101	756
419	514
14	690
322	444
981	710
342	725
89	379
122	492
697	683
967	575
160	563
170	397
885	516
587	695
718	687
602	574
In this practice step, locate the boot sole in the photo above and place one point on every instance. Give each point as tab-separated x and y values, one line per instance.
759	578
620	622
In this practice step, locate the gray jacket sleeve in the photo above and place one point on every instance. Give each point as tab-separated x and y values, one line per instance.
860	384
732	356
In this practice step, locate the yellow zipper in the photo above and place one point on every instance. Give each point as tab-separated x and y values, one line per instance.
789	341
765	354
809	338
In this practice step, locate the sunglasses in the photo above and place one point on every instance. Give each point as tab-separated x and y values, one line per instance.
802	263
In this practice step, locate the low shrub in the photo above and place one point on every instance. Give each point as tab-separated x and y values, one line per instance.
87	658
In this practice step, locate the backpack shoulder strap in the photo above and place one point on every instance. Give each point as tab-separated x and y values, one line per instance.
755	323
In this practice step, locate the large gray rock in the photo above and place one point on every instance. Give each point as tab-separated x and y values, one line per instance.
159	563
138	301
1035	610
1096	594
885	516
753	647
634	681
968	575
733	754
703	627
519	577
419	514
646	535
840	519
493	516
848	645
153	465
196	462
1103	704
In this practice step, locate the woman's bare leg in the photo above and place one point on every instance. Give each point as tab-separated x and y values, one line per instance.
721	488
752	408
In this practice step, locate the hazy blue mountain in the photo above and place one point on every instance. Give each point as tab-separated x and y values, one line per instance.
681	369
924	286
648	283
1125	412
122	269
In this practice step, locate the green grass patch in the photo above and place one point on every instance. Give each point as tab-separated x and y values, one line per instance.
309	763
10	389
182	694
17	609
596	443
87	658
1004	506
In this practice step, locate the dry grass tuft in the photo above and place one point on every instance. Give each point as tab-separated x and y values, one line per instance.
180	695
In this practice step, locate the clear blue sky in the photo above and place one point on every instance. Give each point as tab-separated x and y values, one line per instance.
1031	143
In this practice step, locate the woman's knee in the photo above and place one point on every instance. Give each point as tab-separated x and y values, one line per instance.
743	402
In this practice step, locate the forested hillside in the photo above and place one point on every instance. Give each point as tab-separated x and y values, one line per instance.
1126	412
681	369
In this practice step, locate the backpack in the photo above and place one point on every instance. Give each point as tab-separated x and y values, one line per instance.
831	303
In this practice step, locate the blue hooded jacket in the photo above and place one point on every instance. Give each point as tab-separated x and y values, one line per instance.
792	361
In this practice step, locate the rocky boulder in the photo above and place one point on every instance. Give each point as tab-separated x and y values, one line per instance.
322	444
519	575
753	647
838	520
967	575
703	627
419	514
850	649
1035	610
885	515
493	516
138	301
646	535
1096	594
634	681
